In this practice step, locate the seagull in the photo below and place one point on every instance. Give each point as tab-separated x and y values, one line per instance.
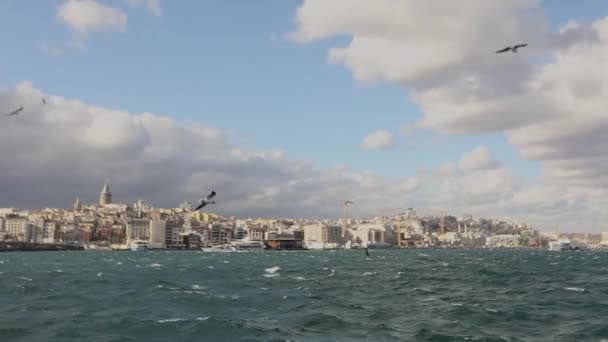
15	112
206	201
43	101
348	202
512	48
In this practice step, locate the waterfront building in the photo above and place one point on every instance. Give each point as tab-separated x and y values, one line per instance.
323	233
365	234
256	233
17	228
157	234
285	240
138	229
173	230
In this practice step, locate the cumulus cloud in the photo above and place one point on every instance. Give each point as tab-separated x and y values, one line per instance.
87	16
379	140
478	159
549	99
153	6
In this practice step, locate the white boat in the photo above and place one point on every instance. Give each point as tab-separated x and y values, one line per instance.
139	245
248	245
219	249
562	245
314	245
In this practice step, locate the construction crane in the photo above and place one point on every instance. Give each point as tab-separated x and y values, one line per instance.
345	204
442	222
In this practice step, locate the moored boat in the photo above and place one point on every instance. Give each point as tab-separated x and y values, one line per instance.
139	245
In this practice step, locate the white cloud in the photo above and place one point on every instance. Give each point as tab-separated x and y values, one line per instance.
478	159
379	140
153	6
446	169
87	16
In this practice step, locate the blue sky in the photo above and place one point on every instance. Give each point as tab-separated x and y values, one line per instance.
215	61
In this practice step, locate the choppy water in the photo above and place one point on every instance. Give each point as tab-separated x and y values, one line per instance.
406	295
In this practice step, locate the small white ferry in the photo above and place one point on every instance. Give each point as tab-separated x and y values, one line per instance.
139	245
218	249
247	245
562	245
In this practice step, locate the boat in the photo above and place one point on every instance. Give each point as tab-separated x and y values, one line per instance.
94	247
380	245
139	245
219	249
247	245
315	245
562	245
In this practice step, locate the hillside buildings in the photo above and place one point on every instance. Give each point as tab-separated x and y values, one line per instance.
110	223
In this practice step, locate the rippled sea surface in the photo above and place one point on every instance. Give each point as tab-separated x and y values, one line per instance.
395	295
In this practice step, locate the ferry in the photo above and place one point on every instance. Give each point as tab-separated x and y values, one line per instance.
139	245
562	245
219	249
248	245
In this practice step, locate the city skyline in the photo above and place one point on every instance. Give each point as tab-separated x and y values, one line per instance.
292	113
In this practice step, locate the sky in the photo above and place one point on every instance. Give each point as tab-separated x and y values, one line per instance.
285	107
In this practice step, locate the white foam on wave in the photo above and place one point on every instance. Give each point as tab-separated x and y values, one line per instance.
99	274
576	289
156	265
59	271
492	310
369	274
272	269
25	278
198	287
202	318
300	278
423	255
171	320
226	262
211	267
119	263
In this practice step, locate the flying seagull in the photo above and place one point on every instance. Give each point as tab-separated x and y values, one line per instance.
512	48
348	202
15	112
43	101
206	201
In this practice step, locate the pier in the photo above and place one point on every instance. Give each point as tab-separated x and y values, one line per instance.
32	247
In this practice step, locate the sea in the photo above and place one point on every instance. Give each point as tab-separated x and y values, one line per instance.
338	295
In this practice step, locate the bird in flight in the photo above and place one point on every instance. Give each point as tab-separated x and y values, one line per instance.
15	112
43	100
512	48
207	200
348	202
